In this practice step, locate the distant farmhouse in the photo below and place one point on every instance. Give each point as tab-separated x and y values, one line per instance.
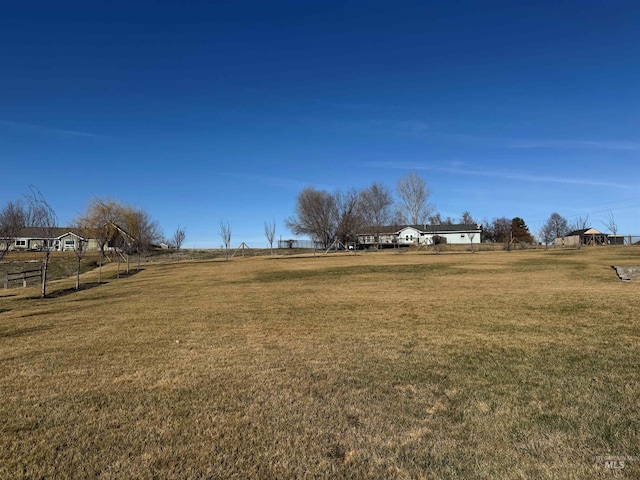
420	235
67	239
60	239
588	237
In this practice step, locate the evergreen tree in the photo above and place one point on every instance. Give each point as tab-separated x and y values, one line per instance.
520	231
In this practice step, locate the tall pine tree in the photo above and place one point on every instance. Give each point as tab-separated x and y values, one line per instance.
520	231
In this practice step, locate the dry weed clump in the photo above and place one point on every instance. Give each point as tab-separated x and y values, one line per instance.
492	365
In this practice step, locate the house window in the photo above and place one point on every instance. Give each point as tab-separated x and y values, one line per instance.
70	243
21	243
462	235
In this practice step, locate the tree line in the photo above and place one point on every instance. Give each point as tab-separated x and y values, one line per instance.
339	216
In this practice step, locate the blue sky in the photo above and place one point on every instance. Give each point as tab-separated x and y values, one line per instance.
206	111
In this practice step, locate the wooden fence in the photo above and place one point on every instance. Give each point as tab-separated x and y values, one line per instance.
24	275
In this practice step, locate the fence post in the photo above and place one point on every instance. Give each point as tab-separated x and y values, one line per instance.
6	280
24	279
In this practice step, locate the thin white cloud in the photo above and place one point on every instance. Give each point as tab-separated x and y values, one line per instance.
460	168
527	177
519	143
47	130
413	126
277	182
400	165
575	144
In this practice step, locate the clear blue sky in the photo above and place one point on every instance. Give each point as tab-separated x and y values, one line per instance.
206	111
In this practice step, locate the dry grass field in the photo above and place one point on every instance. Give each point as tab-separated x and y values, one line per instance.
491	365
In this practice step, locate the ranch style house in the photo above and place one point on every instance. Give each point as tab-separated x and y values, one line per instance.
62	239
421	235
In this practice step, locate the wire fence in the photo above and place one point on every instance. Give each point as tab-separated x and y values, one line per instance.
632	240
484	246
291	244
609	239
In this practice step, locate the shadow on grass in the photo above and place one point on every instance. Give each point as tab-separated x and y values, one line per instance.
68	291
20	332
124	274
86	286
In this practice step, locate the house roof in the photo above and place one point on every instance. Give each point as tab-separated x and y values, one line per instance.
431	229
381	230
41	233
583	231
459	227
57	232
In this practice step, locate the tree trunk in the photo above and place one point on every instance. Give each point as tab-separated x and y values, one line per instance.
44	278
78	276
100	266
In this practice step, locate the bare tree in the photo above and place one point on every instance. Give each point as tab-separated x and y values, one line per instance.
498	230
124	227
580	223
138	232
471	237
435	218
413	195
178	239
13	218
270	232
350	216
43	217
556	226
101	216
377	202
610	223
125	241
225	235
79	249
466	218
315	216
546	234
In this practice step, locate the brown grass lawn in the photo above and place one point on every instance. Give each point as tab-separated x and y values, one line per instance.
492	365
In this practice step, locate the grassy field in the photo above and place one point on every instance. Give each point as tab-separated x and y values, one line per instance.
491	365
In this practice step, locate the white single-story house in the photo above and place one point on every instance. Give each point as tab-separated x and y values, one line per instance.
421	235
